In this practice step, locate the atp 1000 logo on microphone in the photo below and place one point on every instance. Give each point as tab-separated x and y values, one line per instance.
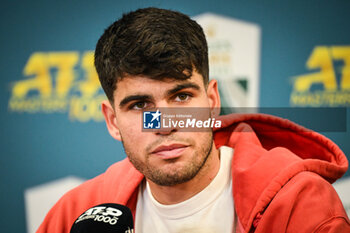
106	218
101	214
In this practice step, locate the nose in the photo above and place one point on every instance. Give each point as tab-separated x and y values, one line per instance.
167	127
165	132
162	104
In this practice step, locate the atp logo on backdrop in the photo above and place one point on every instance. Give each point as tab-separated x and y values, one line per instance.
59	82
330	84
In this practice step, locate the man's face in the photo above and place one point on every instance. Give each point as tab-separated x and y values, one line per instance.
165	157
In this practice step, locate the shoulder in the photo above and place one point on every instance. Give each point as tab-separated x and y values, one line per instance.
305	203
316	198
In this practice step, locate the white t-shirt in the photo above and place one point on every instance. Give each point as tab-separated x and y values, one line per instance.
211	210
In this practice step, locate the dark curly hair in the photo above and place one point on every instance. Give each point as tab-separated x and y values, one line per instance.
156	43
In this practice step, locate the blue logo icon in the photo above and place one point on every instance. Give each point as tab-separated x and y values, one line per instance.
151	120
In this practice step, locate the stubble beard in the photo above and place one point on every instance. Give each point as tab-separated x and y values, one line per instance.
170	177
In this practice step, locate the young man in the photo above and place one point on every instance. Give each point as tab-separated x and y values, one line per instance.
256	173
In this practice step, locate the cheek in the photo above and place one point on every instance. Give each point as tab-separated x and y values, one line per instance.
129	123
202	100
132	137
202	139
134	140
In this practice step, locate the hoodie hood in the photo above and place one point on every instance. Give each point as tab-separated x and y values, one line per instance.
269	151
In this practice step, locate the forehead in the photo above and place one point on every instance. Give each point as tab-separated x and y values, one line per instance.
142	84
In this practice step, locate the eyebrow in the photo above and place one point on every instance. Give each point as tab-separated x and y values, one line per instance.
130	98
172	91
183	86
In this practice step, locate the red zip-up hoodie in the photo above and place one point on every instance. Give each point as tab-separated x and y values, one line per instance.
282	175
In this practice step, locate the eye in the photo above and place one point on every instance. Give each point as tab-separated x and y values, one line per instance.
182	97
138	105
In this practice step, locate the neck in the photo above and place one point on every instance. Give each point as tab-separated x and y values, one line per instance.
168	195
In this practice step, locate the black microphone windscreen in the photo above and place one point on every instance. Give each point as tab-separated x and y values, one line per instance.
104	218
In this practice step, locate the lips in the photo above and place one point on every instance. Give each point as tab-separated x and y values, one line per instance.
170	151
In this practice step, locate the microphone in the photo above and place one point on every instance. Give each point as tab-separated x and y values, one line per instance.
105	218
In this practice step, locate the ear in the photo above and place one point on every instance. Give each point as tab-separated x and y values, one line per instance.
111	120
214	97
